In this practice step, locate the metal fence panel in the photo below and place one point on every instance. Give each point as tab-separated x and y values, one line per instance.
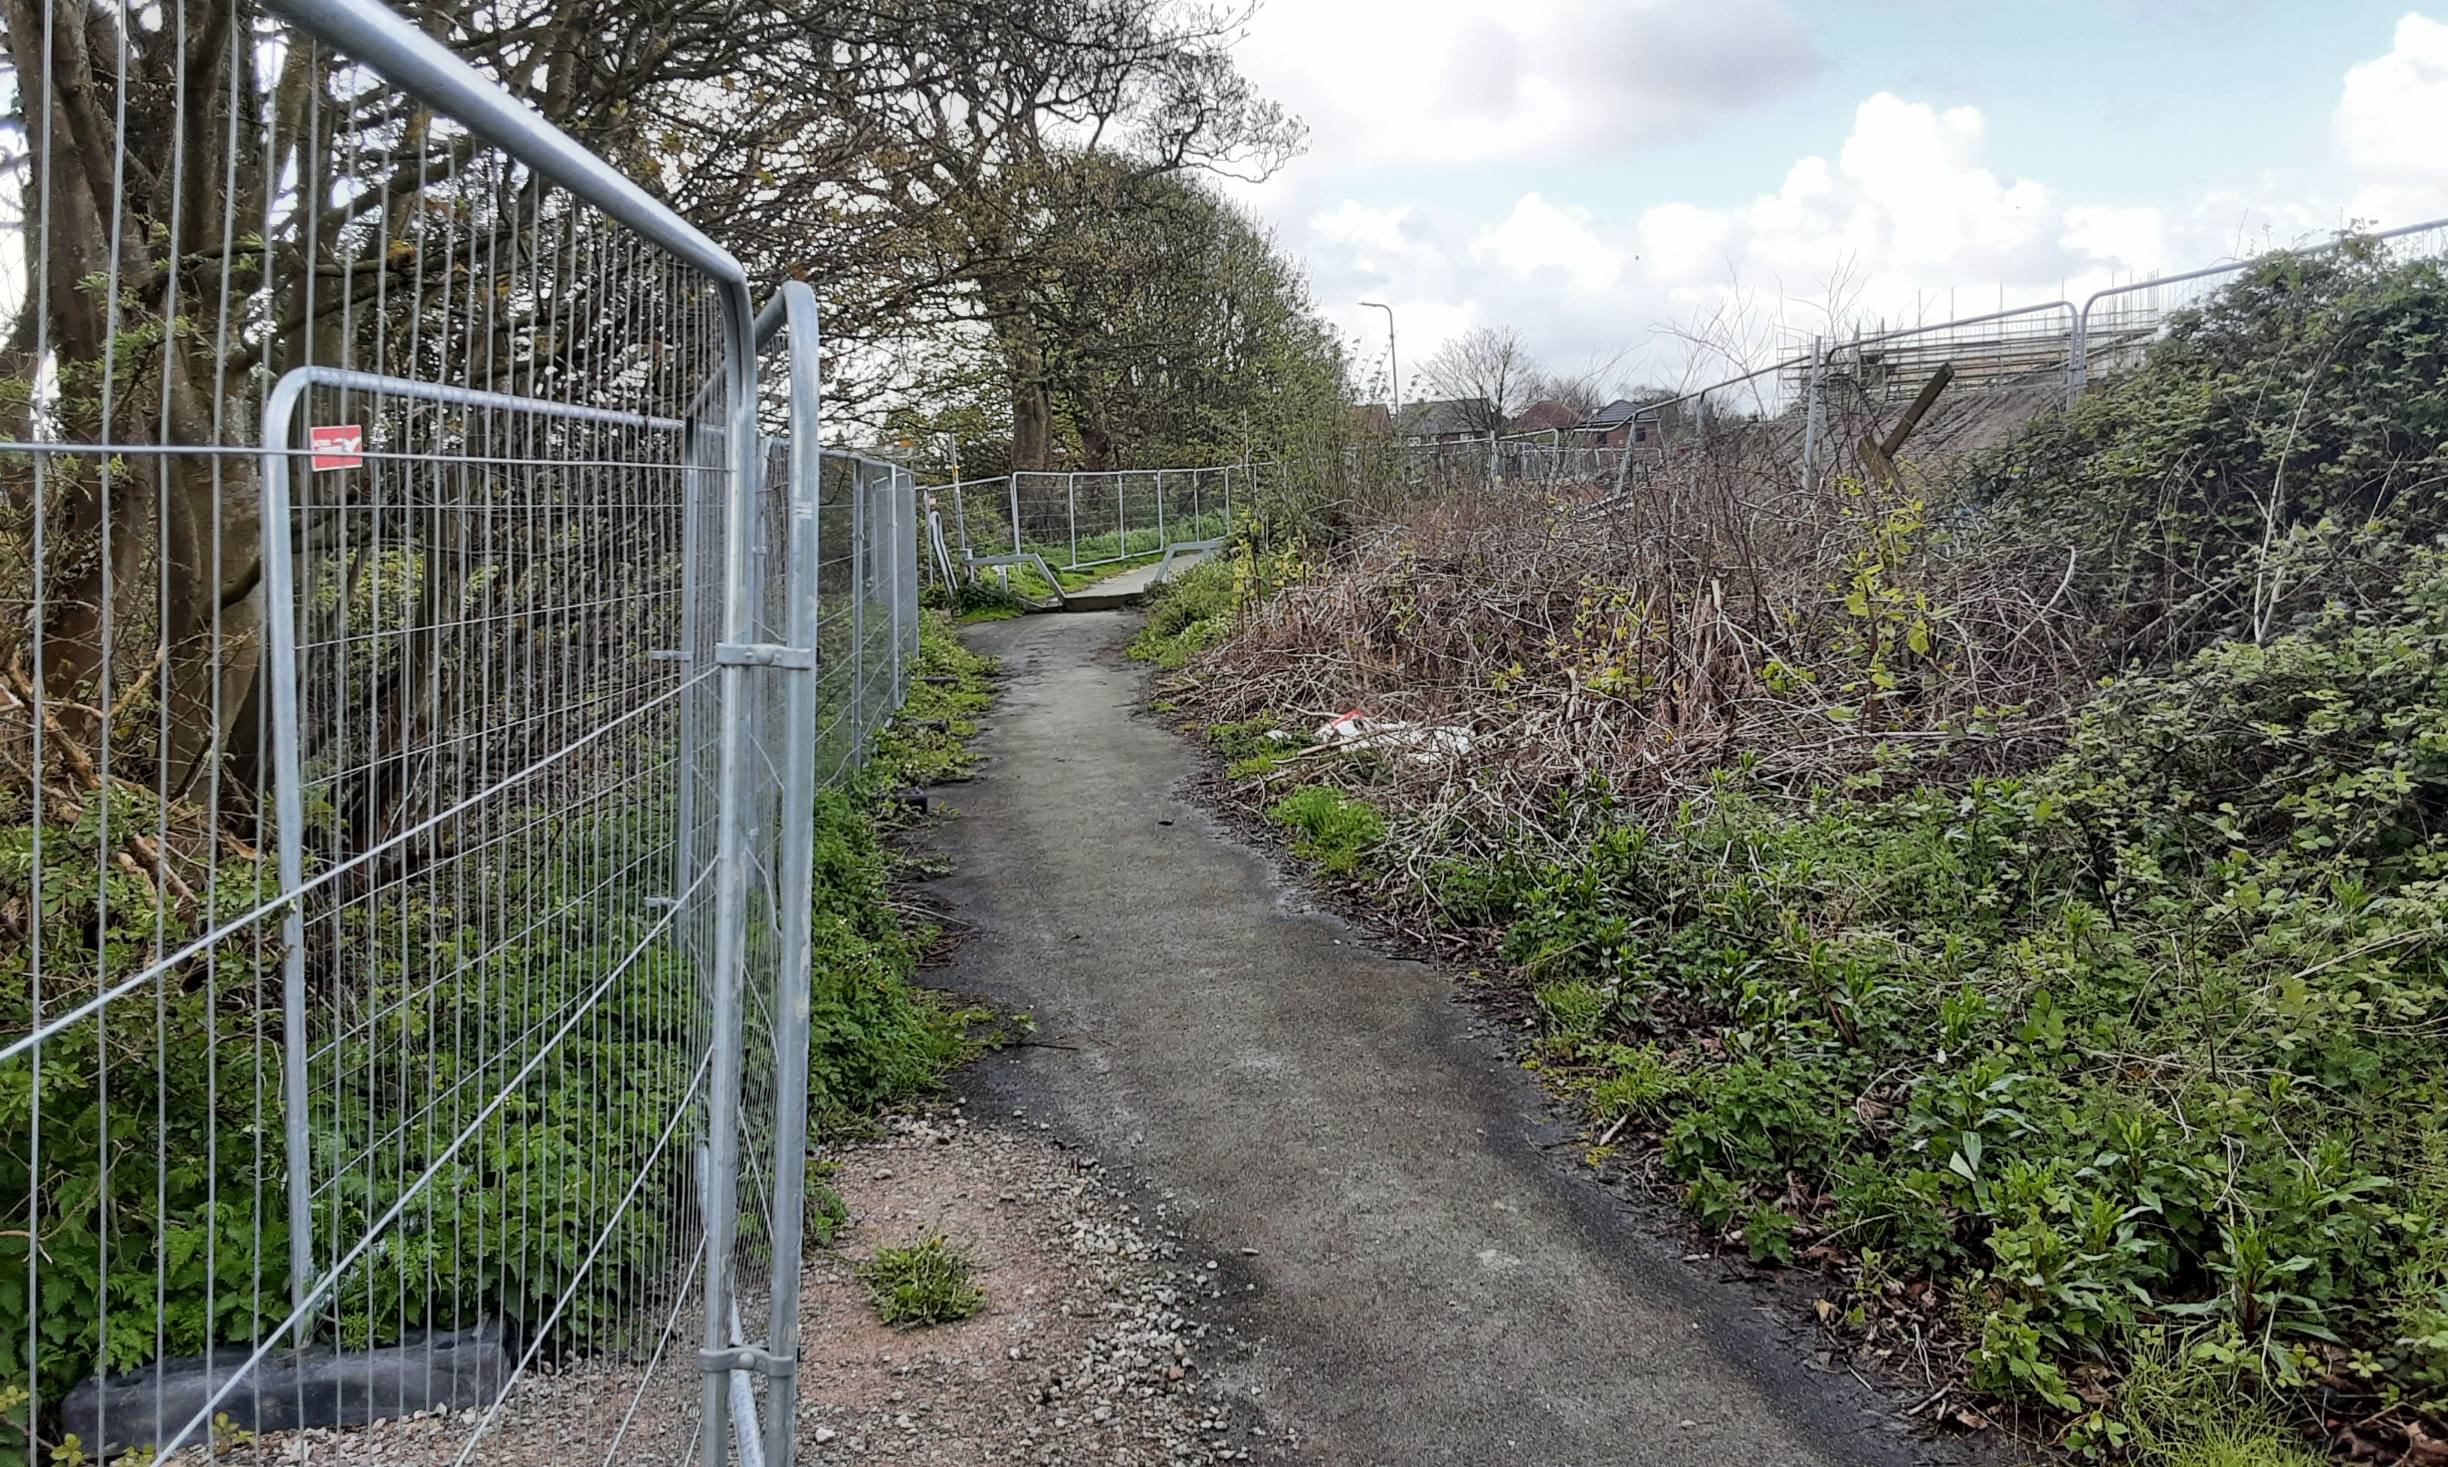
356	1012
409	772
2116	324
841	556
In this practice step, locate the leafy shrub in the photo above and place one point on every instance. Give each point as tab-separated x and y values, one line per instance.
1475	894
189	1086
1903	1212
193	1249
1756	1122
1186	613
873	1036
2280	449
1768	1234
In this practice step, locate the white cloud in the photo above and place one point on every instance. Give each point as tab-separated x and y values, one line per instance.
1908	204
1436	84
1911	215
1542	244
2390	122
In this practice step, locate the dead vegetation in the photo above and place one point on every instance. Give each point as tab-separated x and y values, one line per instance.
1635	640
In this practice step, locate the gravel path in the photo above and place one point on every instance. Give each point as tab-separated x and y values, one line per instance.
1423	1285
1096	1344
1096	1341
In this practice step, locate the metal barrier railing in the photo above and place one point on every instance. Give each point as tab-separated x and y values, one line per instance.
409	774
1789	409
2116	323
1074	521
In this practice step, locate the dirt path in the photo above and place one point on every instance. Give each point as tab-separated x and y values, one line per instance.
1425	1285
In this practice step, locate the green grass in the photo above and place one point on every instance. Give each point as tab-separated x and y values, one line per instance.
910	754
927	1282
1138	545
989	600
2180	1408
1185	613
1337	832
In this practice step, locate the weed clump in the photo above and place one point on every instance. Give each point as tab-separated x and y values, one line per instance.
927	1282
1186	613
1336	831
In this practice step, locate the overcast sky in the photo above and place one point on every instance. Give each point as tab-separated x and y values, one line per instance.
1593	172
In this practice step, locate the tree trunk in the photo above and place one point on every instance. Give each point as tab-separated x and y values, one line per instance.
1097	447
1032	440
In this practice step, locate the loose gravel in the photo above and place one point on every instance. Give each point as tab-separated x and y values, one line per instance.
1100	1340
1098	1343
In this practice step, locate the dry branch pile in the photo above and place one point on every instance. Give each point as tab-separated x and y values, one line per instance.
1637	640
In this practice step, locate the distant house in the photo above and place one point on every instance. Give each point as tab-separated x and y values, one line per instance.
1445	420
1625	421
1371	420
1546	416
1613	426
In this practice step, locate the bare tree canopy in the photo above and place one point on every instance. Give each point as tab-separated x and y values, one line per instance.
1488	372
1584	389
943	172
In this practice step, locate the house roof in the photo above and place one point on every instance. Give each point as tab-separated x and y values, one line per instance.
1547	413
1614	415
1445	415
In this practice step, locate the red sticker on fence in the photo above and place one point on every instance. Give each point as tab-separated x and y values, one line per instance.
338	446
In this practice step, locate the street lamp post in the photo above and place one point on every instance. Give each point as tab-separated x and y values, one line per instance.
1393	360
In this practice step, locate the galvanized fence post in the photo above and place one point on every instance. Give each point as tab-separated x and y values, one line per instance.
901	564
862	569
280	640
2078	366
732	857
1813	406
797	861
918	543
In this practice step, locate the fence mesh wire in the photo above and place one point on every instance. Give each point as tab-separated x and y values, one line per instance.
1086	520
363	695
